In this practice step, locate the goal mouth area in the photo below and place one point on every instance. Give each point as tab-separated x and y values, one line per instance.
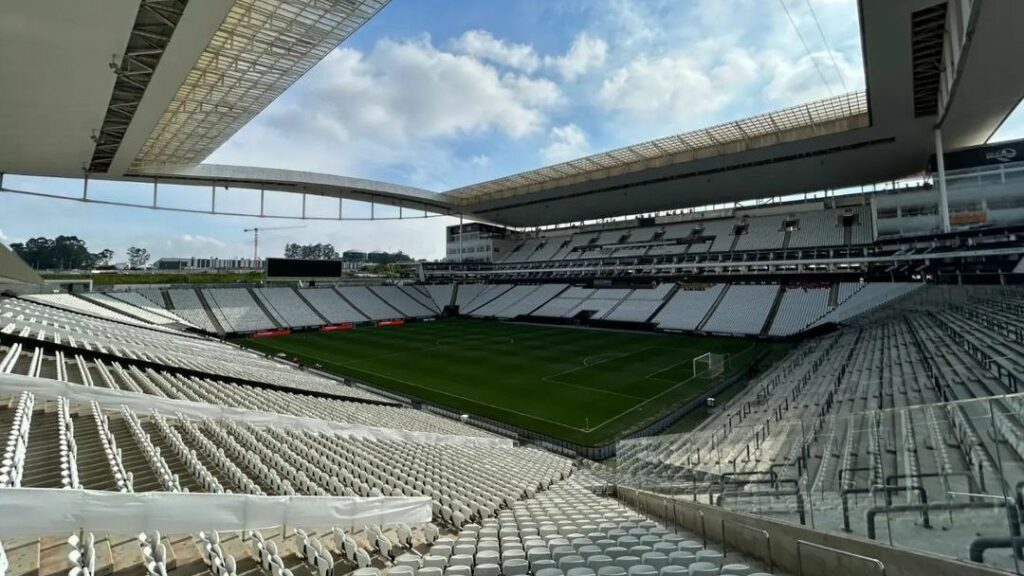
709	365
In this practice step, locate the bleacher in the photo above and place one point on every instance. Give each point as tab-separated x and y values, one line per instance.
236	310
331	306
917	403
406	305
688	307
133	415
369	303
799	308
187	305
287	307
743	310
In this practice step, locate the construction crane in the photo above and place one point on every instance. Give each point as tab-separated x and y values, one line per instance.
256	237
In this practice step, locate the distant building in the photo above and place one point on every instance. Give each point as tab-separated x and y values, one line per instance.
475	242
204	264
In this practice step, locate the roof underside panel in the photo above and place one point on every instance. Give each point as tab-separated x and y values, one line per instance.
262	47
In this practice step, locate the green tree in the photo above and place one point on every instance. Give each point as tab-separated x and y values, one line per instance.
137	257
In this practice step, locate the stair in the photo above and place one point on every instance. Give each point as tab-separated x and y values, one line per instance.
774	310
833	296
209	312
42	458
185	478
93	469
168	304
785	241
310	306
266	311
711	311
133	459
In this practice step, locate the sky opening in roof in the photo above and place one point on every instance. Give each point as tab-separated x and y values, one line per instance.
444	93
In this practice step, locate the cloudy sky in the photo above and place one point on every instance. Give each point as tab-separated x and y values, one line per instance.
443	93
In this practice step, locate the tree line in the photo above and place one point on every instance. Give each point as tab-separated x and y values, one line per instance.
71	253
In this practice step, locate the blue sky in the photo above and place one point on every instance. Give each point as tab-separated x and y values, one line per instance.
443	93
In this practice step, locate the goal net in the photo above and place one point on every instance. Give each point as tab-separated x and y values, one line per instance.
709	365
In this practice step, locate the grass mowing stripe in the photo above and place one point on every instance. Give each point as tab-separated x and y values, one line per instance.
503	370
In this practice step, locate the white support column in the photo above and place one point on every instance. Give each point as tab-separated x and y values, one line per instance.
940	175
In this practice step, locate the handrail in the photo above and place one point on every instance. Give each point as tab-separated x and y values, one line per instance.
767	540
800	562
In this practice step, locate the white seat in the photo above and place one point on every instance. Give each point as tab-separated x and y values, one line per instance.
703	569
514	567
711	556
736	570
642	570
487	570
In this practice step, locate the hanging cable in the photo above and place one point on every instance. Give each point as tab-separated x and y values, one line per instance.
824	40
806	49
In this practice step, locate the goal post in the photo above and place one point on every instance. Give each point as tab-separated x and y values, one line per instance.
709	365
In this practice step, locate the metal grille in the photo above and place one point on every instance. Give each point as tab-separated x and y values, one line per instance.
261	48
703	142
154	25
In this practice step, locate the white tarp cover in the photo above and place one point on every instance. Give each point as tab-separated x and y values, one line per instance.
37	512
110	399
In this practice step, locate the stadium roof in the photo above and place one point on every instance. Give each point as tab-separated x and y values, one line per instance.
189	74
825	116
150	81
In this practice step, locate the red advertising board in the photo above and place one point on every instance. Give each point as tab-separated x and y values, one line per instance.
338	327
271	333
394	322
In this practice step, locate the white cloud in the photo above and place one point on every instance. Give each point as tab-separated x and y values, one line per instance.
482	45
794	81
3	237
392	113
586	53
567	142
669	90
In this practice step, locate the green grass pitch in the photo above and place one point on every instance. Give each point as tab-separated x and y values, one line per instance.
585	386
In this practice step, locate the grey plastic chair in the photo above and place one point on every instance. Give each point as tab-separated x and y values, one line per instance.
515	567
703	569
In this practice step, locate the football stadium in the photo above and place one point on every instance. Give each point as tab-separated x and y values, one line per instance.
787	344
